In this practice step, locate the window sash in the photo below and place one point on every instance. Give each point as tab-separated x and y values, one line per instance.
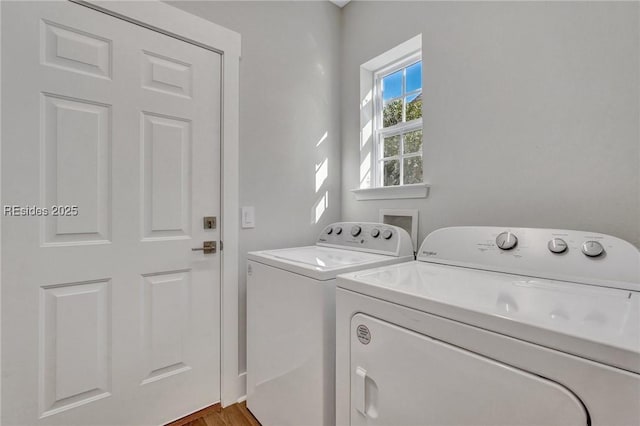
399	129
403	95
401	163
401	156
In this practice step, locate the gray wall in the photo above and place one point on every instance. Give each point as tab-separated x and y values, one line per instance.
289	98
531	114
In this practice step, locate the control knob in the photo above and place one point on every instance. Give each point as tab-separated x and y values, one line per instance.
375	232
387	234
338	230
592	248
506	241
329	231
355	230
557	245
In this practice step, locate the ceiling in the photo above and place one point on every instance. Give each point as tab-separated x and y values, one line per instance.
340	3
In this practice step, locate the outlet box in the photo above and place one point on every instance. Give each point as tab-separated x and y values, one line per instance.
406	219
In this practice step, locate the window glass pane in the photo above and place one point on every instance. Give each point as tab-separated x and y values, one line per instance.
412	170
392	85
391	173
392	113
391	146
413	142
414	107
414	77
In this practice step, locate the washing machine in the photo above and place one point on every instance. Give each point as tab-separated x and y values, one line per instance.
493	326
291	319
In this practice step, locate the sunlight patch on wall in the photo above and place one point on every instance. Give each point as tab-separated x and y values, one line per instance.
366	99
366	127
319	208
366	134
322	172
365	171
322	139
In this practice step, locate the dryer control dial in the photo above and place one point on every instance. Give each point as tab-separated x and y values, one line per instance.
506	240
375	232
329	231
557	245
592	248
338	230
355	230
386	234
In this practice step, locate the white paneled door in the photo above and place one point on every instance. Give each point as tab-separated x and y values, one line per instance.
108	316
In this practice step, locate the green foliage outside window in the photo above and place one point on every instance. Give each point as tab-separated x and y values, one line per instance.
400	156
392	112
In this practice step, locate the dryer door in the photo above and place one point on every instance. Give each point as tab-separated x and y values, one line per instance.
399	377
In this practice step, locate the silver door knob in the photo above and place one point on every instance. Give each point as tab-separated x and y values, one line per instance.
207	247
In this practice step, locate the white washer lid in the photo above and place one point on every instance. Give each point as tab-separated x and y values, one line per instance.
598	323
322	263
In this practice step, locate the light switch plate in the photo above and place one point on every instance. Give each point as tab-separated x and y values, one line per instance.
248	217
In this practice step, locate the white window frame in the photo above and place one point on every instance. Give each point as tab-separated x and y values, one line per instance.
368	189
379	132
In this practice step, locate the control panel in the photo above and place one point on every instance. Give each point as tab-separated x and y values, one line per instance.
577	256
370	237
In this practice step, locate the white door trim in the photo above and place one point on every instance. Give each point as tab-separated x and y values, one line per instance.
1	117
190	28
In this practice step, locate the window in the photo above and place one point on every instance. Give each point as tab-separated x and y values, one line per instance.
391	146
398	123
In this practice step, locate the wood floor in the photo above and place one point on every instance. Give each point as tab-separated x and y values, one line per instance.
233	415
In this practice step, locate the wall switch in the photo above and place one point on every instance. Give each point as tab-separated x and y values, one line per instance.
248	217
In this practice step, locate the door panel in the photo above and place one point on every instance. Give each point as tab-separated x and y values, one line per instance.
167	176
76	165
401	377
165	324
75	325
76	50
108	316
166	75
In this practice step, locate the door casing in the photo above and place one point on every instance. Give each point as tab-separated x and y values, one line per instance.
176	23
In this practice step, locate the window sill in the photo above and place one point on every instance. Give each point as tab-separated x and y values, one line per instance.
419	190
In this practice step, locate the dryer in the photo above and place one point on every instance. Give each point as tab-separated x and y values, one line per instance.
291	318
493	326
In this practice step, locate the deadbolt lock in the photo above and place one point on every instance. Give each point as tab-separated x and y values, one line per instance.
209	222
207	247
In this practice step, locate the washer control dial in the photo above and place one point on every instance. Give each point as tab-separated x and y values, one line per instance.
375	232
387	234
592	248
330	231
338	230
557	245
506	241
355	230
